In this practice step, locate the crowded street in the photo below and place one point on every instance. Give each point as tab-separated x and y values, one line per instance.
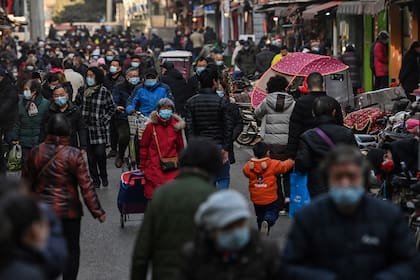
107	248
209	140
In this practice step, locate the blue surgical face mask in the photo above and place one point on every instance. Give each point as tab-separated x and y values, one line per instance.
113	69
27	94
150	82
60	101
109	58
29	68
90	81
233	240
134	80
219	63
200	69
220	93
135	64
52	87
165	114
346	196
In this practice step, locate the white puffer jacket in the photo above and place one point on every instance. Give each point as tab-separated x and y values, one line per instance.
275	113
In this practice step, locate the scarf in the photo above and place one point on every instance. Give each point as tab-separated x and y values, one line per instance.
90	90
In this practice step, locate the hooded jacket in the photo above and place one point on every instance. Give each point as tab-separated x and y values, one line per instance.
275	112
171	143
262	178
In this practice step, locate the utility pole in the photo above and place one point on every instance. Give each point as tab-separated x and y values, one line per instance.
109	10
37	19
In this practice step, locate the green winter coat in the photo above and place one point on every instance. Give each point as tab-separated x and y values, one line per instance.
28	129
168	224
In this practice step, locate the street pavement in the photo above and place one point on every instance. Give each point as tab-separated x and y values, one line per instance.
106	249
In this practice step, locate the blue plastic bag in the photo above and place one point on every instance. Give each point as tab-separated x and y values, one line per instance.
299	194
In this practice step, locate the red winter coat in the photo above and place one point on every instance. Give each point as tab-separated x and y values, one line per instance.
169	135
380	53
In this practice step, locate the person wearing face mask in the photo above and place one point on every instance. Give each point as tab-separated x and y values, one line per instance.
51	81
97	106
121	93
317	142
109	56
32	110
225	243
346	234
199	163
224	73
162	138
174	79
63	105
147	95
26	229
193	83
114	78
246	59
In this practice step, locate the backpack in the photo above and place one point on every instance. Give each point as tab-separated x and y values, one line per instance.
14	161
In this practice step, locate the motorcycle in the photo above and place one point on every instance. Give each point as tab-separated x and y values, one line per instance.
250	129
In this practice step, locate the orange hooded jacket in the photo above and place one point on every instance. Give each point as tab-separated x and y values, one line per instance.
262	178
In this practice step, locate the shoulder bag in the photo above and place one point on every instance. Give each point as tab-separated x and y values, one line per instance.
166	164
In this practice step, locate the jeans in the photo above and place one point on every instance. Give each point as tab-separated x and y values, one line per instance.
268	213
97	159
223	178
113	127
381	82
71	233
123	131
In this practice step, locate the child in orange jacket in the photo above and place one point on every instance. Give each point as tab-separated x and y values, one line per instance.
262	173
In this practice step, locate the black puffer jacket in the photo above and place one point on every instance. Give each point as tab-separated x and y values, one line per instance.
208	115
263	60
373	243
173	78
302	119
78	136
313	149
9	103
259	260
410	71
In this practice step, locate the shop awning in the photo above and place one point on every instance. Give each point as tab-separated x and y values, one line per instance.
367	7
350	8
374	7
313	10
279	11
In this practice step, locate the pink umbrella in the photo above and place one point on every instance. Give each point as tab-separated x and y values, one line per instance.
295	65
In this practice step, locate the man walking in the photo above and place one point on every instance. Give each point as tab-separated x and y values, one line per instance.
302	119
208	116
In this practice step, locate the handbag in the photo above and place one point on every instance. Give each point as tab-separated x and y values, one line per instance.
166	164
299	194
14	160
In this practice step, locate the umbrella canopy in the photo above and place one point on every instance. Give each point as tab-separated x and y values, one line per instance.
303	64
296	65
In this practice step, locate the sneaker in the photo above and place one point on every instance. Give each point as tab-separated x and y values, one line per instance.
264	228
112	154
283	212
105	183
118	162
96	185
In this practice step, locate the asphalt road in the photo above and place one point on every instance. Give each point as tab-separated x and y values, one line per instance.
106	248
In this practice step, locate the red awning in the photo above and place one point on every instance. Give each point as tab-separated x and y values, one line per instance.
313	10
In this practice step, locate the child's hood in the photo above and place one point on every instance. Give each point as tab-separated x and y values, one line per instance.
259	166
